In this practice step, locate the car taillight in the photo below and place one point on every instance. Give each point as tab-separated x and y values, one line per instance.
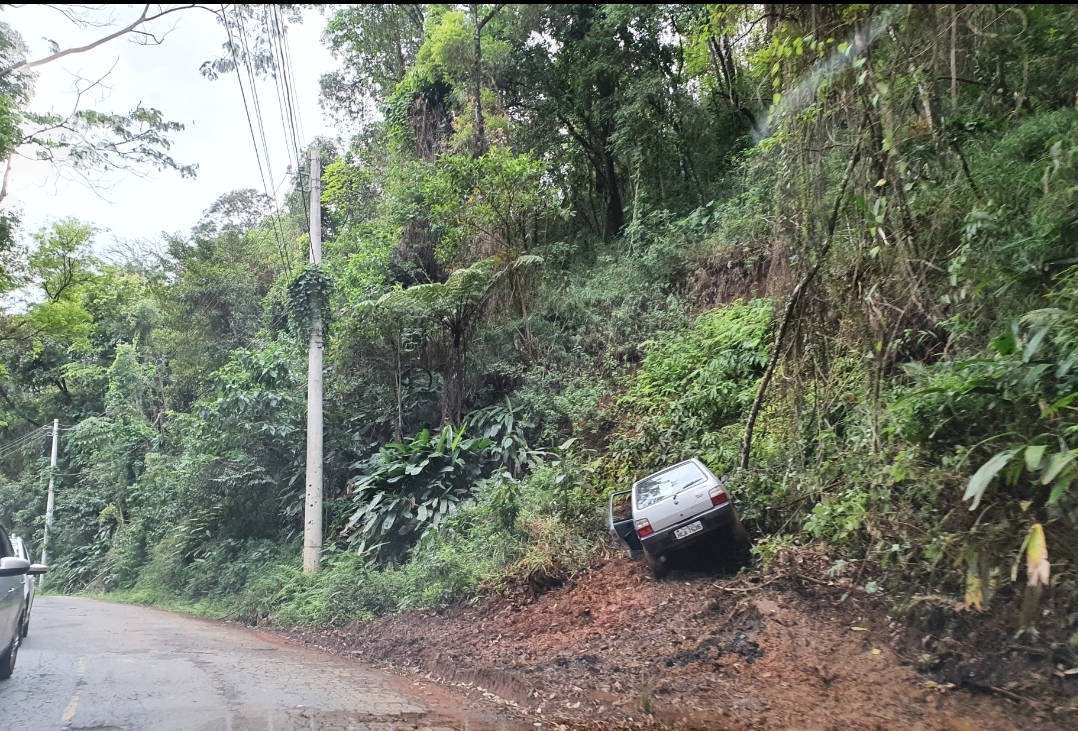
718	495
643	527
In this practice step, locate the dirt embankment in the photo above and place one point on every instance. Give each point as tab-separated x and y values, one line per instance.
615	648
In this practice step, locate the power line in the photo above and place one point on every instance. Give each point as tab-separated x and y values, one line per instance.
291	108
25	437
295	118
278	61
283	102
250	124
17	446
19	443
291	77
252	83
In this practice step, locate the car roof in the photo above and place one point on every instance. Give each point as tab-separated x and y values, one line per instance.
694	460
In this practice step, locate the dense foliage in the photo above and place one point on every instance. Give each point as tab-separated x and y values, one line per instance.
567	244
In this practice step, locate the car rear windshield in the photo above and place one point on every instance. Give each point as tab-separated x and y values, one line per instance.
651	490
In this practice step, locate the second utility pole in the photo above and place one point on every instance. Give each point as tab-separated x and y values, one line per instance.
50	505
312	513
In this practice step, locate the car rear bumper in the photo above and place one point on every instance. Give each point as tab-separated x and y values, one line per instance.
664	542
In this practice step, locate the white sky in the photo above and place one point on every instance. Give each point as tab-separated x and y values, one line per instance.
164	77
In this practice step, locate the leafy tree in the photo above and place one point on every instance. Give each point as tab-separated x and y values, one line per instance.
400	325
376	44
456	306
220	275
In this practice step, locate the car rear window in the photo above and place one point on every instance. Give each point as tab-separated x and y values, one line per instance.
651	490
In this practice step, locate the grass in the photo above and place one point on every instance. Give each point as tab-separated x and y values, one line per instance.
552	537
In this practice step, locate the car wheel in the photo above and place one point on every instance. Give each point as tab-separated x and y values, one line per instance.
738	533
24	627
659	567
7	659
736	546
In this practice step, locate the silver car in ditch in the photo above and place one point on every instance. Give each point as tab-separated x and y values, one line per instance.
674	509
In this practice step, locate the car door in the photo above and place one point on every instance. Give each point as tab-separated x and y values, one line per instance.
11	596
29	588
620	521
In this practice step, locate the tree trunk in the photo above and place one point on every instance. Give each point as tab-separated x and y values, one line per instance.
477	91
615	214
453	377
524	311
791	305
7	176
398	378
606	174
480	142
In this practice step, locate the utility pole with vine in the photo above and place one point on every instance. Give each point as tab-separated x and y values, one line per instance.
312	514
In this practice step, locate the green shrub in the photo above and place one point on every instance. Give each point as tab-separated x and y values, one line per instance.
406	490
537	531
692	391
710	368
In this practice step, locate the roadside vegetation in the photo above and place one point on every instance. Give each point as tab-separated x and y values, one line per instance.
609	243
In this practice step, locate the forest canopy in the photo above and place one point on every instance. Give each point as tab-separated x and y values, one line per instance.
827	249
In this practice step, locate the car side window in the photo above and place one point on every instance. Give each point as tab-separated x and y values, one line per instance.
5	546
621	506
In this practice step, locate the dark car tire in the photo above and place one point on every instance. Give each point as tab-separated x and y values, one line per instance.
738	534
8	657
736	546
24	628
658	566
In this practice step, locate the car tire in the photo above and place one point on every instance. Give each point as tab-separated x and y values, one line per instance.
8	657
738	534
24	626
658	566
736	546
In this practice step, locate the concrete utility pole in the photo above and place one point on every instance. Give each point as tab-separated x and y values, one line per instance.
51	504
312	514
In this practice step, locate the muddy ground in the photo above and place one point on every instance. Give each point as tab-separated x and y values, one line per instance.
795	649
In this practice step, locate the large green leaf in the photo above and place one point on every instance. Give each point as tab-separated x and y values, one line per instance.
1056	463
982	477
1034	343
1060	488
1034	456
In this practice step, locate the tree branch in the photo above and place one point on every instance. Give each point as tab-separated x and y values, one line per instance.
489	16
791	305
15	408
144	17
7	175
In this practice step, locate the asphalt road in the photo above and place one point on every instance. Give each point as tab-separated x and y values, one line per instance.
89	664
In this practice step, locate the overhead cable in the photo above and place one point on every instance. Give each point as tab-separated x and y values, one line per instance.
250	125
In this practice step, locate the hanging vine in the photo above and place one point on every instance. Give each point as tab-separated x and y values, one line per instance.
308	293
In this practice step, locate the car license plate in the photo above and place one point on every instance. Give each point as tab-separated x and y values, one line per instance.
688	530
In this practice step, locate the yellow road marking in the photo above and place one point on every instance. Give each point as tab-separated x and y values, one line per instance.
73	704
69	713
